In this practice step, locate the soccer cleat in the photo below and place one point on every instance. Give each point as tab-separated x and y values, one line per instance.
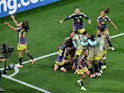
33	62
112	48
98	74
79	82
83	88
104	67
19	66
101	71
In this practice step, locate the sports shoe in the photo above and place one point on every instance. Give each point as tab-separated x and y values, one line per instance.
101	71
83	88
19	66
98	74
104	67
33	62
79	82
112	48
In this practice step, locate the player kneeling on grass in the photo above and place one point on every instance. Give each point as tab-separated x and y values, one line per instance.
61	61
21	29
82	69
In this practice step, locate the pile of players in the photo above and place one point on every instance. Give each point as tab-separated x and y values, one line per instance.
85	54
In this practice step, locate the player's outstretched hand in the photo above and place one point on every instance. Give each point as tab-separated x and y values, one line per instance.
61	21
89	21
6	23
116	27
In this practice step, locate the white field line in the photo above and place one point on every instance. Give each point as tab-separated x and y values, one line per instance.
26	84
38	58
15	73
10	77
114	36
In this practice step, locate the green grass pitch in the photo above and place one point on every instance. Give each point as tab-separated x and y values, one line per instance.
46	34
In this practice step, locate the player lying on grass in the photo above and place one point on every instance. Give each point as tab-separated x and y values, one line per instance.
102	23
78	24
62	61
21	29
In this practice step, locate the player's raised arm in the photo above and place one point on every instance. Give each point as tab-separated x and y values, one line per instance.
113	25
14	20
69	17
86	17
11	27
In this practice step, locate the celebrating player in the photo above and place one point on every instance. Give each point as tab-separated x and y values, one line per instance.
82	68
23	27
95	55
102	23
61	60
78	24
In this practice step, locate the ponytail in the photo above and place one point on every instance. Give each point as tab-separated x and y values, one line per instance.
107	10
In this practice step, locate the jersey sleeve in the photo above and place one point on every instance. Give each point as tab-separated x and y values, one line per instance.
69	17
108	19
18	29
92	43
85	16
98	19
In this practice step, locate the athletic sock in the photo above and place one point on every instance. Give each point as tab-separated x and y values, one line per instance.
91	70
96	67
76	62
20	60
82	84
109	42
100	65
29	54
104	62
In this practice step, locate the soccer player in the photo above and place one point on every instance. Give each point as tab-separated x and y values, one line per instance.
102	23
61	61
82	68
83	39
78	46
102	36
95	55
21	29
78	24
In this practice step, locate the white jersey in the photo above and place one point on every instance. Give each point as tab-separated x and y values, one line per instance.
76	39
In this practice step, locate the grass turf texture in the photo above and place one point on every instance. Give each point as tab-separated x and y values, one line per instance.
46	34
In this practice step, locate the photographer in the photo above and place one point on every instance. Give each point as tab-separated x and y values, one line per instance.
21	29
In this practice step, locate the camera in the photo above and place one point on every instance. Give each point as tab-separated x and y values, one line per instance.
6	51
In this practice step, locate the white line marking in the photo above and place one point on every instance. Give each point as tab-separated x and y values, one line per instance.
38	58
114	36
15	73
26	84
